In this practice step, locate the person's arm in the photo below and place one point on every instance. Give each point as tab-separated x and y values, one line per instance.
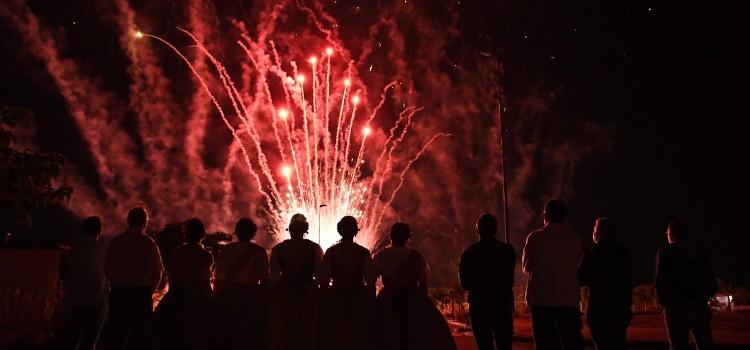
628	282
275	268
511	266
422	274
370	272
376	269
318	261
465	276
263	268
527	257
220	270
584	270
323	275
156	265
511	273
108	261
661	278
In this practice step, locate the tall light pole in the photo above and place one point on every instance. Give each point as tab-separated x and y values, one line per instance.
319	223
504	188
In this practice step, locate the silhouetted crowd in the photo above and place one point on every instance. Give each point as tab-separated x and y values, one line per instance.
303	299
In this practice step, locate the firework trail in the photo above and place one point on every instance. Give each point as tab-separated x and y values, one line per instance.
226	137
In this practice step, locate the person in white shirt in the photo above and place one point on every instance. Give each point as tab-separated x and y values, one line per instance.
133	266
86	288
550	259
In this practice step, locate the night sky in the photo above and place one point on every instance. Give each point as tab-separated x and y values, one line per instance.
670	80
673	79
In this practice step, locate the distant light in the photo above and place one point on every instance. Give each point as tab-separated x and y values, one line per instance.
355	99
283	113
138	34
329	51
347	82
313	60
286	171
366	130
301	78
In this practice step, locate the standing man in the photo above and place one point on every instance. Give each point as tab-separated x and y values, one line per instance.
684	283
605	270
550	259
86	288
487	271
134	268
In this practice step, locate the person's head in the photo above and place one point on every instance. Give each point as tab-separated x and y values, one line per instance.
604	230
298	226
194	231
554	211
92	226
347	227
138	219
677	230
245	229
400	233
487	226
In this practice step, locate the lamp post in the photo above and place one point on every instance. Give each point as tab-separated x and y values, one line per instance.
493	53
319	223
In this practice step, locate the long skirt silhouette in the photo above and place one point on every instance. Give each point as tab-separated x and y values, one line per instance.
241	317
183	320
347	318
408	320
294	317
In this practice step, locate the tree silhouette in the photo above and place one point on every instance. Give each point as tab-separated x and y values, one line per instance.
26	177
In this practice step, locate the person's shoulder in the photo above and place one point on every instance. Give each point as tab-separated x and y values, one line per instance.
471	250
361	249
118	238
380	254
667	249
205	254
536	235
312	245
506	247
415	253
333	249
145	239
256	247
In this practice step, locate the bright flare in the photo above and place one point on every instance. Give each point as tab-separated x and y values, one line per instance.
286	171
283	114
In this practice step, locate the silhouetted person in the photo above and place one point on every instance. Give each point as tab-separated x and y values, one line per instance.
241	290
348	277
182	319
487	271
133	266
407	319
86	288
605	269
295	297
550	259
684	283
